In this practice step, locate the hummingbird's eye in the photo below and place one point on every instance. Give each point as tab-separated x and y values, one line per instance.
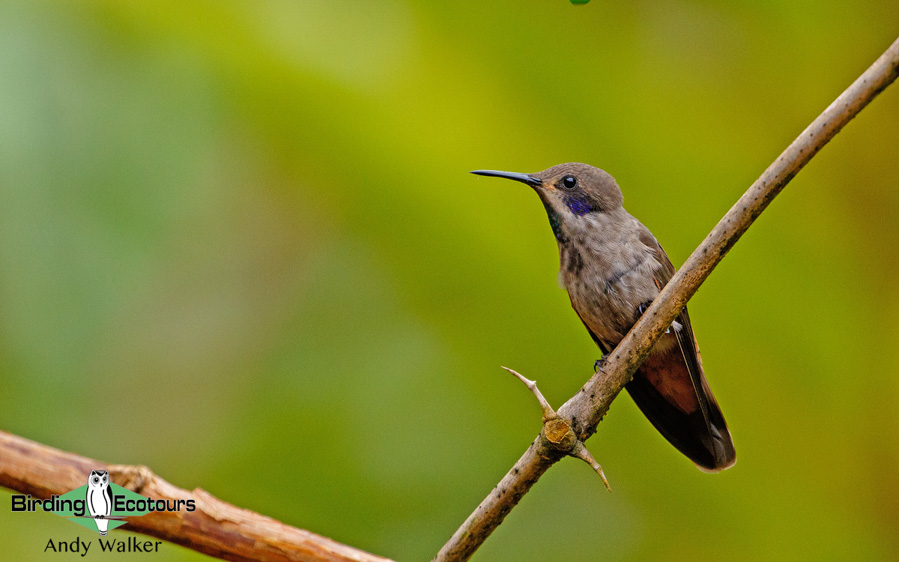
569	182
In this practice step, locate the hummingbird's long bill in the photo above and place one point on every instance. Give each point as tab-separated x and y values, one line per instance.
523	178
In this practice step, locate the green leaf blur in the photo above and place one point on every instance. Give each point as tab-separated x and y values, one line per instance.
239	245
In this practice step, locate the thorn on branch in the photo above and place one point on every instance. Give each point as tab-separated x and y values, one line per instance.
581	452
557	431
548	412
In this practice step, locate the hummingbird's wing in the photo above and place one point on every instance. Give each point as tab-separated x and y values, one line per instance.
671	391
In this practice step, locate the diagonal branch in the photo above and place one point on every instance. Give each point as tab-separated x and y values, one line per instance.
216	528
589	405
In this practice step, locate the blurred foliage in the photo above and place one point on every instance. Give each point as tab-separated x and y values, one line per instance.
239	245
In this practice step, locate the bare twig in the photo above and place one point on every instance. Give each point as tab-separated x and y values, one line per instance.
589	405
557	433
215	528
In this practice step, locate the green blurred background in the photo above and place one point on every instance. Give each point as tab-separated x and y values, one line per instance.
239	245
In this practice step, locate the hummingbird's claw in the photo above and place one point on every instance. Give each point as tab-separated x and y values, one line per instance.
642	308
600	363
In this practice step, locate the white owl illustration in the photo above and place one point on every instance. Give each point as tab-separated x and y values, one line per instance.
99	499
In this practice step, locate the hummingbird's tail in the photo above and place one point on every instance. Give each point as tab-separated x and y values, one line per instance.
683	409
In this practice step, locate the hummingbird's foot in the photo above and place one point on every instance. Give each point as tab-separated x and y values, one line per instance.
600	363
642	308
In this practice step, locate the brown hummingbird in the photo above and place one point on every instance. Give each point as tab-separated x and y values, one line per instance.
613	267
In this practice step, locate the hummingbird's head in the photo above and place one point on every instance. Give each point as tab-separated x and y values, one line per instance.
569	192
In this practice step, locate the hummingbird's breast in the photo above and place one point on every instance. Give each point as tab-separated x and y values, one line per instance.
608	272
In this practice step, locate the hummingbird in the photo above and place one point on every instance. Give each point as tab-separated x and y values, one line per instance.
613	267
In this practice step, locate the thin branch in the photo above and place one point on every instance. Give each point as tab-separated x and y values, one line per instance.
589	405
216	528
557	432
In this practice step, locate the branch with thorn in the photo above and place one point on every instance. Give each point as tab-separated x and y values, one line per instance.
557	432
585	409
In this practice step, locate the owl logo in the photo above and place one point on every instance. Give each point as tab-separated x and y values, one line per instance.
99	499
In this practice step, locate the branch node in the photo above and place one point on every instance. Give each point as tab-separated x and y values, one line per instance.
132	477
557	433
